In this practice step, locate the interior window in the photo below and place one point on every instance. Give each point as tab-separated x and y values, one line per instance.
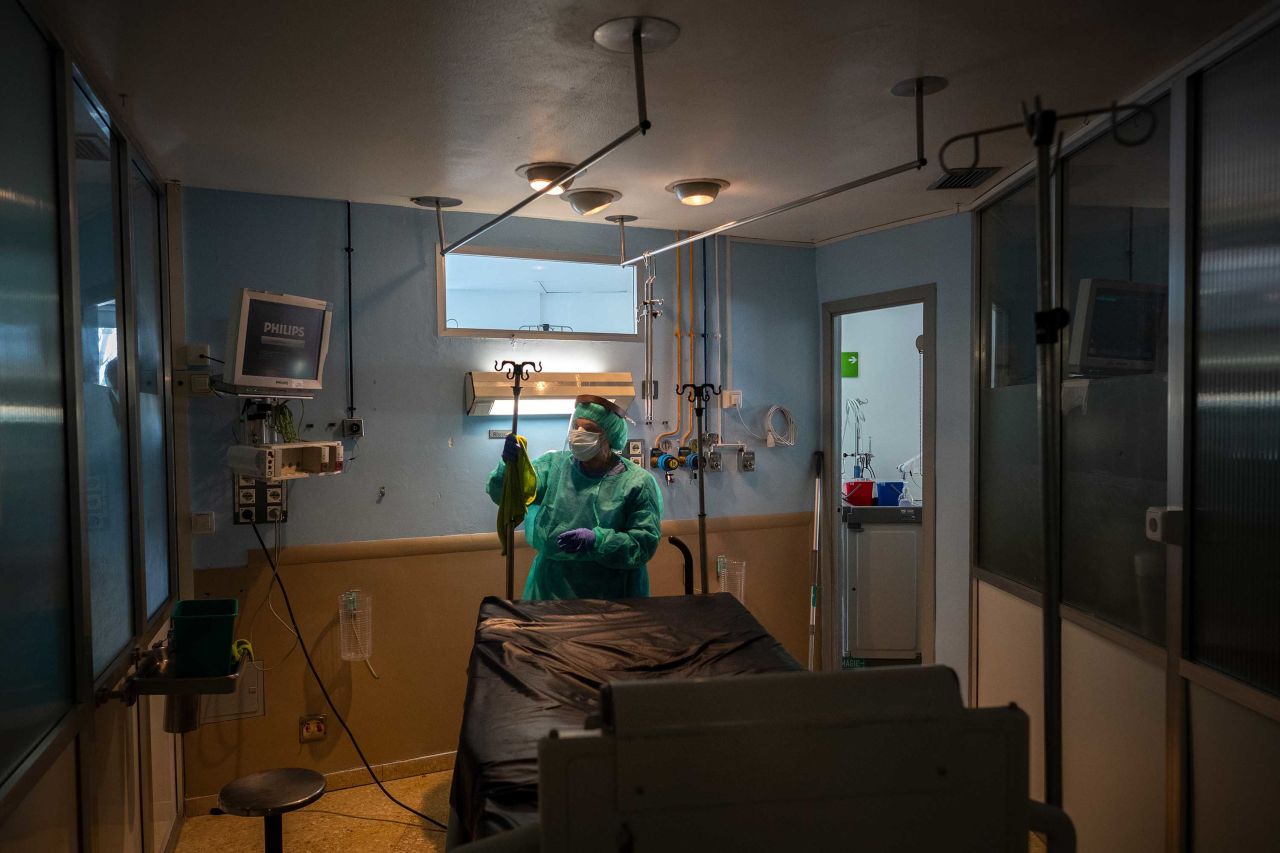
490	291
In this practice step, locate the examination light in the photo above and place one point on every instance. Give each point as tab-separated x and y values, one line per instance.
591	200
697	191
539	175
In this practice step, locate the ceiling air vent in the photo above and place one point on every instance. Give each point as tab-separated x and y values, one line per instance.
91	147
964	179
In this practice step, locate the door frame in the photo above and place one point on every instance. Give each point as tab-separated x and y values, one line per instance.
927	296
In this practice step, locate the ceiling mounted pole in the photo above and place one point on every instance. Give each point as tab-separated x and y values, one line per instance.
635	35
435	202
916	87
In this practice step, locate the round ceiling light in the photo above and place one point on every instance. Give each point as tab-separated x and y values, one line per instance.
539	175
697	191
591	200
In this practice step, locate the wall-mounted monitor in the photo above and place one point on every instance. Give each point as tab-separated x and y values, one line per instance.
1118	327
277	343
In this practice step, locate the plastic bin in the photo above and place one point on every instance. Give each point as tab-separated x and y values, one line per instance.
859	492
889	492
203	631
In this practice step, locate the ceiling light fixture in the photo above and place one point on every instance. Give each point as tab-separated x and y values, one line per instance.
697	191
589	200
539	175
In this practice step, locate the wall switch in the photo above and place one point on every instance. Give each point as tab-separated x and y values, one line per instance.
199	384
747	460
497	434
311	728
731	400
201	523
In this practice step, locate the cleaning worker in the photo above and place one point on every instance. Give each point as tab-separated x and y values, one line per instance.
596	517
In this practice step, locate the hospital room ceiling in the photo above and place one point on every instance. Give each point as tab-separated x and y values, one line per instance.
380	101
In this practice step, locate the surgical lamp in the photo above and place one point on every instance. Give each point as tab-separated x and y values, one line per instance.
541	175
591	200
697	191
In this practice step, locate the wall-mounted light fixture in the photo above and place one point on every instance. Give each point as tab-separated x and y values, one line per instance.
697	191
591	200
489	393
540	174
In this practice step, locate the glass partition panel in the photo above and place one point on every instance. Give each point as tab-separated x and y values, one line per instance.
144	219
105	401
1008	535
35	580
491	291
1235	536
1115	280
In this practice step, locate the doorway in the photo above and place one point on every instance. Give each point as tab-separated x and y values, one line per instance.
878	404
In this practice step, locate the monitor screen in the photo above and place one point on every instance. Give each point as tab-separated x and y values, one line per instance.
1118	327
282	341
278	341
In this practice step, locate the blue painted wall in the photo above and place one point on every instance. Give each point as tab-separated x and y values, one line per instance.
938	251
431	458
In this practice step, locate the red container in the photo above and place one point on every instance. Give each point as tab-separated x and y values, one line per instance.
859	492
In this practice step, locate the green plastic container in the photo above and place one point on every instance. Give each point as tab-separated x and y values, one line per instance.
203	631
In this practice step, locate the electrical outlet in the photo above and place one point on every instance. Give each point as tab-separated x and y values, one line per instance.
197	355
199	384
311	728
353	427
275	513
715	462
731	400
635	447
747	460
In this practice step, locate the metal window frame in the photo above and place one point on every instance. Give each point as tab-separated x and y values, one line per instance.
533	255
66	733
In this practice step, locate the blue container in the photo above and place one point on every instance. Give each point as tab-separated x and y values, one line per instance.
889	492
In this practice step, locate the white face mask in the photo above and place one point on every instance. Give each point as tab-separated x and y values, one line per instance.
585	445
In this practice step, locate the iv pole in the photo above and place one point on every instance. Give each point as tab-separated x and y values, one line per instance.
1041	125
700	395
518	372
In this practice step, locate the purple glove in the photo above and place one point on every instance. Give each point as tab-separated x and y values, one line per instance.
510	449
576	541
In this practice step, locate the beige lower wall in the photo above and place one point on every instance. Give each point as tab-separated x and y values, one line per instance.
426	594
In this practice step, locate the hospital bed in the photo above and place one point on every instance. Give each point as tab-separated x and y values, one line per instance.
539	666
680	724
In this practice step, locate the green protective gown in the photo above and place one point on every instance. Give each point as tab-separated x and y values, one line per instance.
623	508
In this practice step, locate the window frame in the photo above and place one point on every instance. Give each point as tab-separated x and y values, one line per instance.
533	255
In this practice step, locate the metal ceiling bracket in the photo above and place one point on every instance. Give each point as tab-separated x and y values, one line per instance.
436	202
917	87
622	219
638	35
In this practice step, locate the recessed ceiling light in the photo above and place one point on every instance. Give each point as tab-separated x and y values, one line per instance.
539	175
591	200
697	191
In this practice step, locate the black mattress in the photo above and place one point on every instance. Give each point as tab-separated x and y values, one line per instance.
539	665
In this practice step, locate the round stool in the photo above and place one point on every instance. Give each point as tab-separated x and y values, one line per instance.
268	795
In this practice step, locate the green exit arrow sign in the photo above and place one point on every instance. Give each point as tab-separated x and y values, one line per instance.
849	365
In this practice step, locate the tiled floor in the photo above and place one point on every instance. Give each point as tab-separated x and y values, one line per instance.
347	820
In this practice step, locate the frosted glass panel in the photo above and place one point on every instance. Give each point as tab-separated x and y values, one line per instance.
1008	451
144	206
105	400
1235	585
1115	275
35	579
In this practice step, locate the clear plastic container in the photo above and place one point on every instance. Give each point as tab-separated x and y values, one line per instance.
355	624
732	575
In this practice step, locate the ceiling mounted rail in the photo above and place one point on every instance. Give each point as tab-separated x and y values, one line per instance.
634	35
917	87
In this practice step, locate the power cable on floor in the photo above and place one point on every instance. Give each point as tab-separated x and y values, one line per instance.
324	691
